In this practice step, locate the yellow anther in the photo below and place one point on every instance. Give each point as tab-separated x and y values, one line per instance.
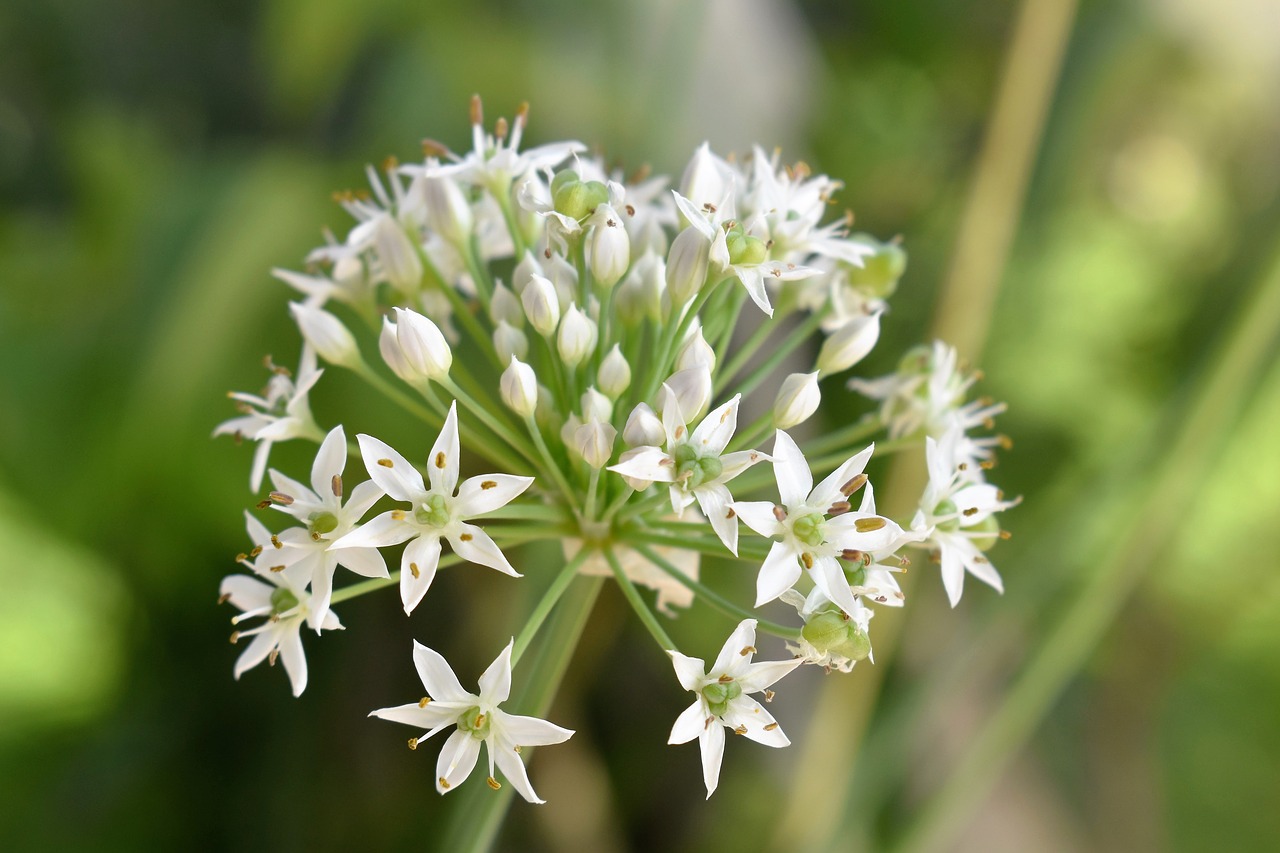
386	463
465	537
441	460
807	559
771	727
413	743
336	485
424	701
866	525
444	783
747	650
494	783
740	729
413	570
488	484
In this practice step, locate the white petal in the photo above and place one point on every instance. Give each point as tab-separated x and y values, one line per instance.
512	767
391	471
751	715
434	717
828	491
442	464
752	279
952	567
646	463
731	655
438	678
260	454
474	545
256	653
495	683
331	459
389	528
418	569
792	471
689	724
366	562
765	673
292	488
714	499
758	515
737	462
488	492
829	577
245	592
362	498
321	577
779	573
690	672
295	662
457	760
711	742
531	731
713	434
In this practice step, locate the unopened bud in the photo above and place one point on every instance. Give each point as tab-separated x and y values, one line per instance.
541	305
696	352
879	273
643	428
615	373
525	270
519	388
705	178
505	306
391	352
797	400
448	212
326	334
596	406
397	255
692	392
424	347
594	442
509	341
687	264
849	344
609	247
634	482
577	337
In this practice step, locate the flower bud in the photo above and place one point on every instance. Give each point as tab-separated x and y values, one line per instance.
643	428
879	273
565	277
609	247
692	391
425	350
696	352
391	352
568	431
596	406
525	270
615	373
448	212
577	337
849	344
504	306
328	337
706	178
634	482
397	255
509	341
797	400
541	305
594	442
519	388
687	264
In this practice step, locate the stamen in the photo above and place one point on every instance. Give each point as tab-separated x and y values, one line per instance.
431	148
807	559
708	723
277	568
280	498
441	460
768	695
973	510
771	726
272	656
477	110
630	209
1005	534
730	513
275	541
488	484
494	783
679	433
839	508
465	537
413	743
747	650
444	783
235	637
424	701
263	504
224	598
740	729
386	463
516	749
866	525
500	129
257	549
413	570
725	679
853	485
390	164
397	515
779	513
335	485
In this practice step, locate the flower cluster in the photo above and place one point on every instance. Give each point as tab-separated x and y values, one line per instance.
639	361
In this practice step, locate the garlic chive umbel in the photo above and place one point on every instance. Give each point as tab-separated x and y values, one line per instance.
643	364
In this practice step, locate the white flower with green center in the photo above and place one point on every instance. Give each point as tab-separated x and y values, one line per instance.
479	720
326	519
434	513
830	637
282	412
741	251
283	604
723	701
960	509
814	526
695	464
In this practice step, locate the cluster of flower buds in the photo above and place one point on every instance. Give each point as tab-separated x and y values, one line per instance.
598	340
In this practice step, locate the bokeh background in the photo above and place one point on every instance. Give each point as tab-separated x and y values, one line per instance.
1090	197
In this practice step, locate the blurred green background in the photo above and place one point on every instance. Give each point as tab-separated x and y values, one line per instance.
158	158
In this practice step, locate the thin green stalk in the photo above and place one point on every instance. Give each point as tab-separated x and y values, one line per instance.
547	602
704	544
798	337
395	395
725	373
497	426
570	494
638	604
715	599
593	487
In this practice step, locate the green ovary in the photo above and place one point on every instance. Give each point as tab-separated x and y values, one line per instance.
719	694
434	512
474	722
810	529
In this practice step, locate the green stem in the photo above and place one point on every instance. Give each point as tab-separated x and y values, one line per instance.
704	544
499	428
715	599
395	395
726	372
547	602
556	474
798	336
637	603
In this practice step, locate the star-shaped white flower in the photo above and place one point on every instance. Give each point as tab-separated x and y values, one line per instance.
695	465
284	606
282	412
958	510
479	720
814	526
326	520
722	700
747	256
434	513
831	638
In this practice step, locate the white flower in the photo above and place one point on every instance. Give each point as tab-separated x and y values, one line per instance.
326	334
577	337
723	702
609	246
284	606
615	373
326	520
281	413
434	513
695	465
479	720
960	510
813	527
831	638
